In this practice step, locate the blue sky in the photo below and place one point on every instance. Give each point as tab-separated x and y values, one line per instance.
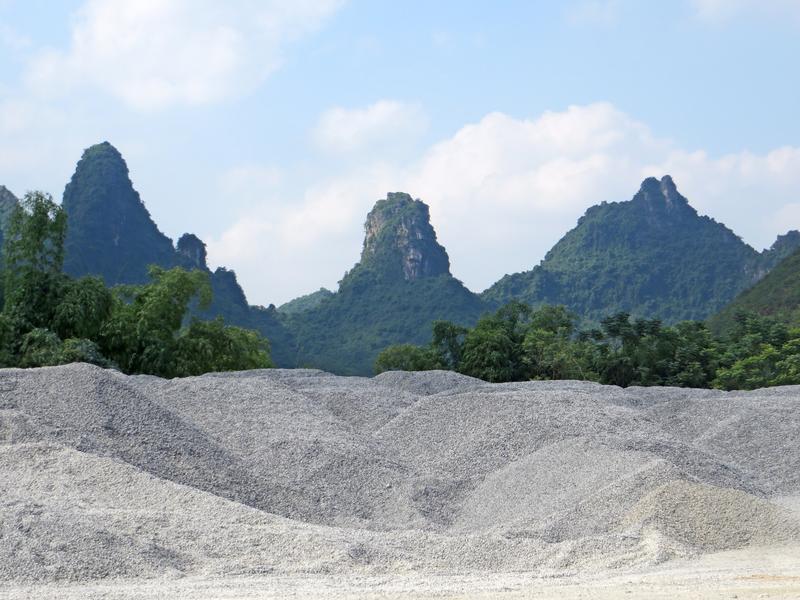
270	128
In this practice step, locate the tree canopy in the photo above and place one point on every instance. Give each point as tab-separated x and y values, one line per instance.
519	343
49	318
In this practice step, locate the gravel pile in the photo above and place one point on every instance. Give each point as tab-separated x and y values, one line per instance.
298	471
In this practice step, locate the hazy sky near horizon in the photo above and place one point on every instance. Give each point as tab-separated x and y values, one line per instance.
270	128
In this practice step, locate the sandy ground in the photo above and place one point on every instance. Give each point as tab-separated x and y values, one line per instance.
772	573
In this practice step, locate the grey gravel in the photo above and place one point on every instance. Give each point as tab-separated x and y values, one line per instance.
282	472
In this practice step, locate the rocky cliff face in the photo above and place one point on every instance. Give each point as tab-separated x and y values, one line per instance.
661	197
399	239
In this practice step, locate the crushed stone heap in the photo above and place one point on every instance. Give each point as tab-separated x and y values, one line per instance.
108	476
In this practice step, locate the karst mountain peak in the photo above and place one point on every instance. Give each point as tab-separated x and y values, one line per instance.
400	241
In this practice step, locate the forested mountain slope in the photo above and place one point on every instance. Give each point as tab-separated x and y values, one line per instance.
776	295
653	256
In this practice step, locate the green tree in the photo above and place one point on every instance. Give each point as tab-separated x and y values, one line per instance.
9	341
40	348
490	353
448	343
141	334
693	356
84	307
549	348
751	372
211	346
83	350
33	256
788	367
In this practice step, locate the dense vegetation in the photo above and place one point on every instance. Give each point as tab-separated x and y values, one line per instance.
303	303
652	257
518	343
777	295
50	318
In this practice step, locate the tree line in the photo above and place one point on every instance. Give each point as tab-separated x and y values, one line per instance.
49	318
519	343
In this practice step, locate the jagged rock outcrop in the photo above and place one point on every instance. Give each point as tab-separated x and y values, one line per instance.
652	256
661	197
398	232
109	231
193	250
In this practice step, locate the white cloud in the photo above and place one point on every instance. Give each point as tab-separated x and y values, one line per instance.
502	191
382	126
724	10
153	54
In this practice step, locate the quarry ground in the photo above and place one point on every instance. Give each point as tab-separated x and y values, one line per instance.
772	573
300	484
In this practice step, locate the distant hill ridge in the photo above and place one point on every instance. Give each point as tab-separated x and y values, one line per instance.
652	256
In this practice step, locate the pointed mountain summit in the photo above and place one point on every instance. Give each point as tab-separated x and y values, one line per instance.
661	197
401	284
652	256
109	231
